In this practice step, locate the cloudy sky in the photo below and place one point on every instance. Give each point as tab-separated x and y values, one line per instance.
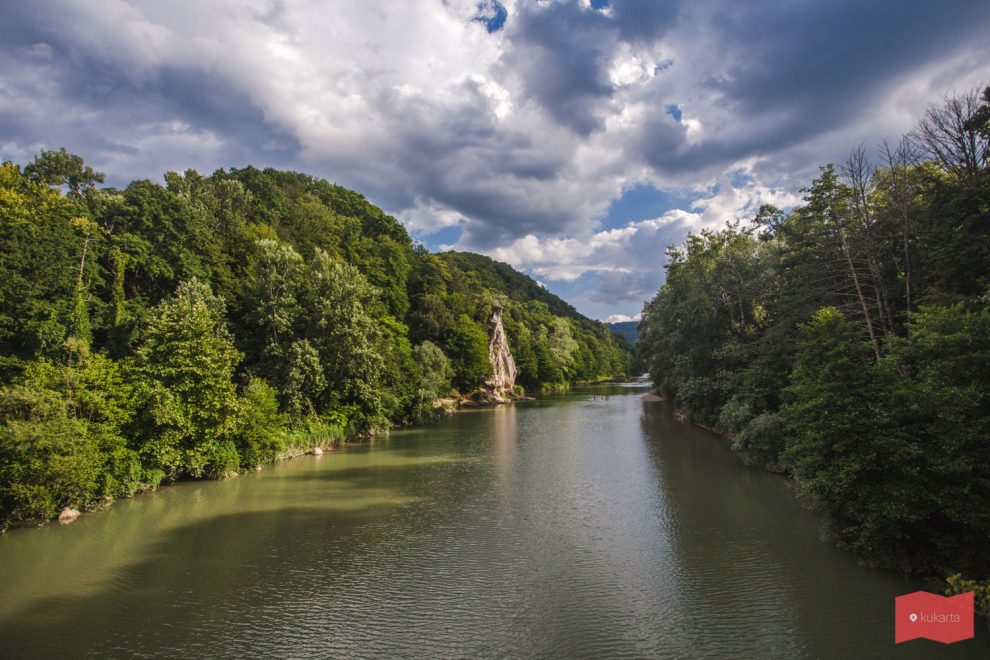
572	139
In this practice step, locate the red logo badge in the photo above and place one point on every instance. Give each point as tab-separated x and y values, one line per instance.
939	618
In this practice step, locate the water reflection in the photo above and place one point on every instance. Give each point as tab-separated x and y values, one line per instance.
568	527
504	441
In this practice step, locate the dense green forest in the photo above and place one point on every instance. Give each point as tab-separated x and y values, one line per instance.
847	343
217	323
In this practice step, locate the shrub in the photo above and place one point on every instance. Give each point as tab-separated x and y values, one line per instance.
761	441
261	438
735	414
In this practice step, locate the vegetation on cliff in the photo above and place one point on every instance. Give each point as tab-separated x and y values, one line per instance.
847	342
203	327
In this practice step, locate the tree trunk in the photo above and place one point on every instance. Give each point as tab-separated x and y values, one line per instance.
859	293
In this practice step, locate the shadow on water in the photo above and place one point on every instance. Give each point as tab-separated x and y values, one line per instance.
253	582
183	591
570	527
761	579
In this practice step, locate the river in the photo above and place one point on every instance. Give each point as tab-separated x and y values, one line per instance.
565	527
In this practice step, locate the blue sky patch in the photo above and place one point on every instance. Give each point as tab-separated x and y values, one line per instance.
492	14
740	178
640	203
444	236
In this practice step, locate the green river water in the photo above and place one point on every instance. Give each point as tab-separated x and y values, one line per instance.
560	528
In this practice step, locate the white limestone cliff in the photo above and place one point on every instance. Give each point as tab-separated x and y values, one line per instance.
503	366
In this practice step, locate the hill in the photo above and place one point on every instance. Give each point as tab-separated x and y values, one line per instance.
626	329
214	323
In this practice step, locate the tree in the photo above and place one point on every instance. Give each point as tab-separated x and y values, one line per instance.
260	434
185	365
61	168
38	272
949	135
62	436
347	339
435	377
467	347
898	187
271	313
979	121
829	202
858	467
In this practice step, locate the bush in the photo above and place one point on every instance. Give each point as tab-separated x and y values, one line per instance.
981	592
123	475
735	414
61	438
261	438
47	458
467	347
762	441
434	381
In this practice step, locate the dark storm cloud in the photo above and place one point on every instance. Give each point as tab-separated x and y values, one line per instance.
561	52
802	69
519	131
98	107
822	57
455	156
644	20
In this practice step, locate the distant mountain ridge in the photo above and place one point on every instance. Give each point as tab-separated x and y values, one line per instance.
625	329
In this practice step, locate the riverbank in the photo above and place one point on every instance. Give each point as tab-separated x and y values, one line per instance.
948	582
565	529
313	440
682	416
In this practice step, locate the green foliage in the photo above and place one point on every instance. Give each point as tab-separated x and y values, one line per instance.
467	346
347	339
762	441
61	441
304	382
261	432
38	287
47	460
185	366
981	592
550	342
848	342
436	374
60	168
735	414
129	317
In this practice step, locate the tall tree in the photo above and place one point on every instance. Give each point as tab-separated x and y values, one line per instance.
185	365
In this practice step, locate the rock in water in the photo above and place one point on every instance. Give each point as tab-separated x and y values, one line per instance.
68	515
503	366
316	451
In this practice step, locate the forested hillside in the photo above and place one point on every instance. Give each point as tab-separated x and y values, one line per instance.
847	342
628	330
209	325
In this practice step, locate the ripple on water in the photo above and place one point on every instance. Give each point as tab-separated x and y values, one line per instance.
567	529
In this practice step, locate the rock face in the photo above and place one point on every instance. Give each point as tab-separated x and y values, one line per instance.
503	366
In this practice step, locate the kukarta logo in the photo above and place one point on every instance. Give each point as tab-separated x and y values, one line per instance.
930	616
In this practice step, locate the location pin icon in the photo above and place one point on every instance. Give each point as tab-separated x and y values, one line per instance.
913	617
